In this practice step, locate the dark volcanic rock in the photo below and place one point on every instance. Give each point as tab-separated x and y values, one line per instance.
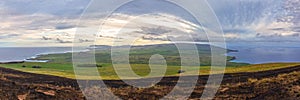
274	84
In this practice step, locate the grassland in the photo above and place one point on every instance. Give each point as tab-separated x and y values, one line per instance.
281	83
142	54
107	72
242	81
61	64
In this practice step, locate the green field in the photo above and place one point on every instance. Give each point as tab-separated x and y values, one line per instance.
61	64
107	71
141	55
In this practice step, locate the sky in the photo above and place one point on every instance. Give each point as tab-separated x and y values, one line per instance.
55	22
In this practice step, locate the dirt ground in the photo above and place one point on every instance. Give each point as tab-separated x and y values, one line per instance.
270	85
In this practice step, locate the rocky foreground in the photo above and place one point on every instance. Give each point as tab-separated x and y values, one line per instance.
270	85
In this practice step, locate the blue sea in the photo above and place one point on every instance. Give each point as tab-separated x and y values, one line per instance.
9	54
265	52
248	52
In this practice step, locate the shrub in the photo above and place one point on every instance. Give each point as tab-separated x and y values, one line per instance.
89	65
36	67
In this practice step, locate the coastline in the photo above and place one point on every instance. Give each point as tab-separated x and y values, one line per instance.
33	58
81	49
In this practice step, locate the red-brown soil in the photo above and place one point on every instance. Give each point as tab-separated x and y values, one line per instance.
274	84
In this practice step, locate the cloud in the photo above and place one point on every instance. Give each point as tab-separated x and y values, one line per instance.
46	38
64	8
277	35
232	36
5	36
159	27
32	20
160	38
296	29
155	30
258	20
240	31
155	21
109	37
62	41
277	29
64	26
85	40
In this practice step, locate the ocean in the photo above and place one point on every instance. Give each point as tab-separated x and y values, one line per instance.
248	52
265	52
9	54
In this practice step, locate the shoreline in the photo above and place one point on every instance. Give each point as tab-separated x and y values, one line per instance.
33	58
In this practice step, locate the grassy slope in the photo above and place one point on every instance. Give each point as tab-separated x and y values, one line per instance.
141	55
280	87
61	64
107	71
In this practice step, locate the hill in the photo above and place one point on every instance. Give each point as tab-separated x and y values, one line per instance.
141	54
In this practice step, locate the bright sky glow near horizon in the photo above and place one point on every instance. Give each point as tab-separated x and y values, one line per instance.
54	22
